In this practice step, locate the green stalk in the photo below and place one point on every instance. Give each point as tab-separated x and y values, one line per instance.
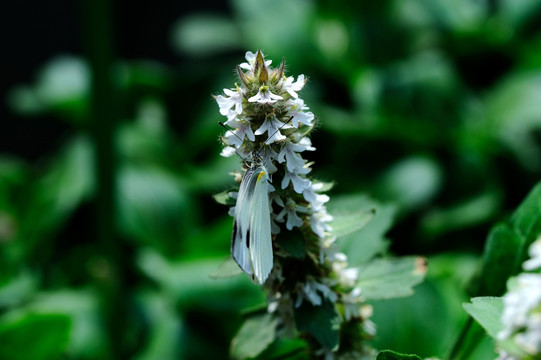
99	46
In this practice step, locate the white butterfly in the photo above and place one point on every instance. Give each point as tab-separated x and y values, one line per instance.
251	245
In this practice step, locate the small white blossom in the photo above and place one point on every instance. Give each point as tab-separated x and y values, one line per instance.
503	355
291	87
306	143
318	222
289	154
535	257
228	151
234	99
250	57
352	303
243	129
290	209
265	96
316	200
272	127
523	296
299	183
314	292
297	114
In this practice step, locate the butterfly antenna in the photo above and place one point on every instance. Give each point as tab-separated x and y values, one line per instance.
228	129
280	128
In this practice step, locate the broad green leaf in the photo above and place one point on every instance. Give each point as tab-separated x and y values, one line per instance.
154	207
291	349
223	198
368	239
203	34
487	311
320	321
526	221
511	111
461	215
501	259
51	199
33	336
165	328
346	224
255	335
188	282
390	278
411	182
507	245
391	355
293	242
278	26
228	268
17	289
86	336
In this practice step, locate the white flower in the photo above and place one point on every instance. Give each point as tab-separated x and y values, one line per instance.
530	339
297	114
310	290
316	200
243	129
291	87
523	296
228	151
299	184
318	223
289	154
352	304
291	208
307	144
268	155
226	103
250	57
535	254
264	96
272	126
503	355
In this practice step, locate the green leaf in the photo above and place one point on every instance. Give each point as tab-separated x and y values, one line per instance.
17	289
320	321
411	182
165	328
501	259
291	349
293	242
189	283
228	268
224	198
33	336
462	215
390	278
487	311
391	355
507	244
67	183
362	239
526	221
154	207
205	35
255	335
346	224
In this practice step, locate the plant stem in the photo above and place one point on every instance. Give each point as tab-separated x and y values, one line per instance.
99	46
459	343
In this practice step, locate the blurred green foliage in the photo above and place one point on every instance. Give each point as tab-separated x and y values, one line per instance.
428	111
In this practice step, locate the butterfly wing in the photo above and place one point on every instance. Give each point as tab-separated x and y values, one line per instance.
260	241
241	226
